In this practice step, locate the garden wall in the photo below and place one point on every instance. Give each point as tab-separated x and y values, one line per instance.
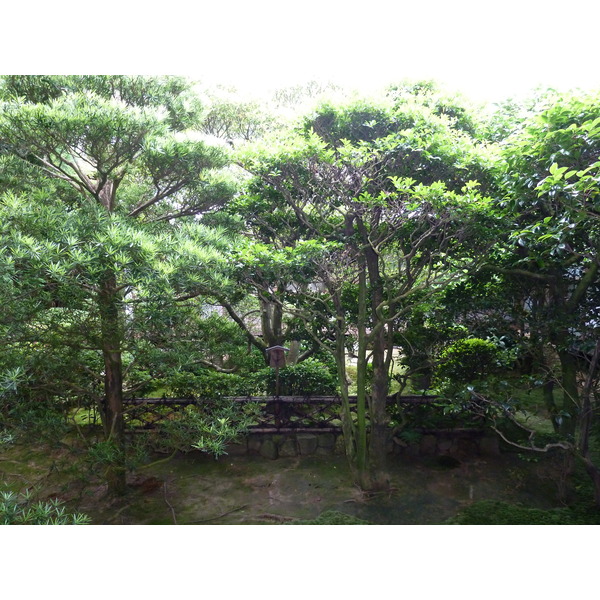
459	443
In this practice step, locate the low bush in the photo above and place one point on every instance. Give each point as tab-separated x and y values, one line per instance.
494	512
21	509
209	384
468	360
310	377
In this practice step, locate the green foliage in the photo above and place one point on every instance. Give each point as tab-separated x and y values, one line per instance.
471	377
208	427
25	415
333	517
79	268
22	509
551	179
410	436
34	419
56	260
358	121
235	120
310	377
493	512
456	109
7	438
422	334
106	454
112	237
408	420
469	360
209	384
174	95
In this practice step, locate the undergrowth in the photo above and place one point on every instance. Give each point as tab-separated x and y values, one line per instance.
333	517
495	512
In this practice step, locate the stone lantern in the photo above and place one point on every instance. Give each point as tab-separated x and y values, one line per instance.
277	356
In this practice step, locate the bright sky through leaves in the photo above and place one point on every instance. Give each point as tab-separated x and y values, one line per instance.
487	49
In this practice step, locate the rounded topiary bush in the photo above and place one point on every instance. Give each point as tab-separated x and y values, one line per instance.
468	360
310	377
208	384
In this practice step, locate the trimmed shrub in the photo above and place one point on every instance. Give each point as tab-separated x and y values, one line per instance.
310	377
468	360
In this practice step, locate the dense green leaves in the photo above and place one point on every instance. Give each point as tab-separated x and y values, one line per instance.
78	265
133	256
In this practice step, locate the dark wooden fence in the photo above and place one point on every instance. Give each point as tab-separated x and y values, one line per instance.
275	414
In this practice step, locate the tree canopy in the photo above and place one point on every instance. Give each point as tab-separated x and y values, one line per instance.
160	236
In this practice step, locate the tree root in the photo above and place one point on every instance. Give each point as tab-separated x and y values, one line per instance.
219	516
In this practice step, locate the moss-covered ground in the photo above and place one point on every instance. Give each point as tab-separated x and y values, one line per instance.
196	489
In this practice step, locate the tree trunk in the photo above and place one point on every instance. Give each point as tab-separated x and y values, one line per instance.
378	413
540	365
294	353
362	468
570	407
586	421
113	419
378	416
594	472
548	395
348	428
271	317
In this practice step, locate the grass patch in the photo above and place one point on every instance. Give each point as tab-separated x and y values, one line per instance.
333	517
494	512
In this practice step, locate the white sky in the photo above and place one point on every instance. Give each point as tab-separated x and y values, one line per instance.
490	49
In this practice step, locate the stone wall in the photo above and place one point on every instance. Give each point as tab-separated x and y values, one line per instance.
458	443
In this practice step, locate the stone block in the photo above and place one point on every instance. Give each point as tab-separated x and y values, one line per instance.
320	451
240	449
410	450
288	448
428	445
489	445
268	449
445	446
307	443
254	443
326	440
340	447
466	447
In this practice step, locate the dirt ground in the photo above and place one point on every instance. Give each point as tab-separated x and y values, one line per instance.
196	489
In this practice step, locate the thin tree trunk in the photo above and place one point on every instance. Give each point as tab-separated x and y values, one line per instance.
378	413
113	422
570	406
361	382
378	417
548	395
540	365
348	428
586	422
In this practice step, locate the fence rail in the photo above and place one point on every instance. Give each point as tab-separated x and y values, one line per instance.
281	414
